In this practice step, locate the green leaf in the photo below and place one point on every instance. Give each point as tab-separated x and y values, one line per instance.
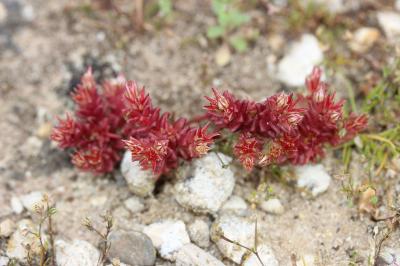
239	43
165	7
215	32
237	18
374	200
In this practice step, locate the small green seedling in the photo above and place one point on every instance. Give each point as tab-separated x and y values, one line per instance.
229	19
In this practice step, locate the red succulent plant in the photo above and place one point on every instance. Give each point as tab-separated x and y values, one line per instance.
157	141
285	128
106	115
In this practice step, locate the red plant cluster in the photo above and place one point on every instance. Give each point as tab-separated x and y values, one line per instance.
105	117
285	127
157	141
95	131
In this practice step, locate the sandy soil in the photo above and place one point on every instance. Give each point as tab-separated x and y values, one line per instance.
176	63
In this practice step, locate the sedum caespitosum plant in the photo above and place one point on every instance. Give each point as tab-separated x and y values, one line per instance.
119	115
285	128
95	132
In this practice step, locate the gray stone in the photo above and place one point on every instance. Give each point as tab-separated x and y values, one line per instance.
140	182
192	255
207	185
77	253
133	248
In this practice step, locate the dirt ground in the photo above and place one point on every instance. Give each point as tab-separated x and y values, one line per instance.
41	56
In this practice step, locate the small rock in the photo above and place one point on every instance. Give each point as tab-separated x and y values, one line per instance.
208	184
192	255
79	253
273	206
199	233
306	260
235	205
44	130
388	257
390	23
236	229
300	60
333	6
223	56
30	200
140	182
16	205
3	13
134	204
133	248
313	177
168	237
28	13
20	238
4	261
276	42
6	228
266	255
363	39
33	146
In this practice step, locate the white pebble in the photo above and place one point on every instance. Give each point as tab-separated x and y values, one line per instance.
199	233
236	205
236	229
273	206
390	23
140	182
208	184
30	200
168	237
134	204
191	255
77	253
6	228
299	61
16	205
266	255
313	177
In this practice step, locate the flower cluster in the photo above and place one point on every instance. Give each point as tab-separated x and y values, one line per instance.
284	127
157	141
118	116
94	132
